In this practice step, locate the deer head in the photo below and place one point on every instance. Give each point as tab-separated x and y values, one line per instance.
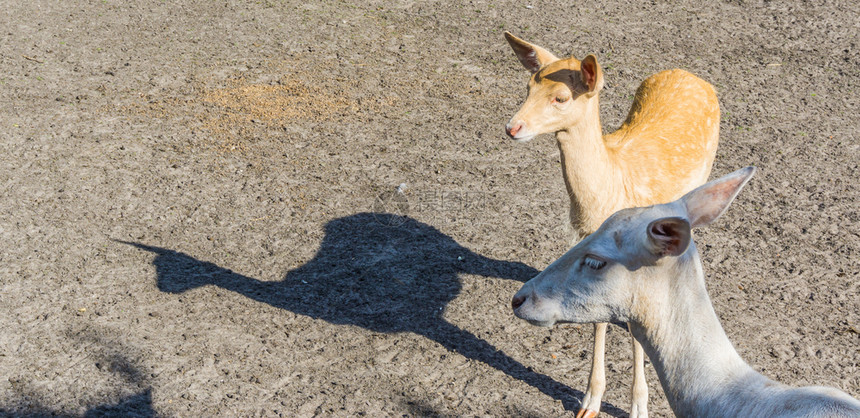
561	91
634	252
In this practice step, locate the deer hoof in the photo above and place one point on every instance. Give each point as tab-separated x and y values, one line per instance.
586	413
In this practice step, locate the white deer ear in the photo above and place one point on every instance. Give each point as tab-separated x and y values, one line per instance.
532	56
669	236
709	201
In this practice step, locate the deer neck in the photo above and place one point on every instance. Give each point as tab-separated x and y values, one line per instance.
590	172
699	369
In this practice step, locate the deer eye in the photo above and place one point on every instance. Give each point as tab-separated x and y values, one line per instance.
560	99
593	263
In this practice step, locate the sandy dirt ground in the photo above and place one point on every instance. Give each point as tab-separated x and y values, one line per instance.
199	212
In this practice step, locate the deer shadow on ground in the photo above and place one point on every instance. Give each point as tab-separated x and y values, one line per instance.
133	406
382	272
116	371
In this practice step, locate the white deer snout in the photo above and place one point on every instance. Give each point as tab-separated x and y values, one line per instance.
536	310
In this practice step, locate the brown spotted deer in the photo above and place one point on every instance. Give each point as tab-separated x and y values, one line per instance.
664	149
642	267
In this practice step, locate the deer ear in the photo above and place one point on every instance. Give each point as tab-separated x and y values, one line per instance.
591	74
706	203
532	56
669	236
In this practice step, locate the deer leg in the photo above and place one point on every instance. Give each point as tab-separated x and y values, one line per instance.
597	379
639	398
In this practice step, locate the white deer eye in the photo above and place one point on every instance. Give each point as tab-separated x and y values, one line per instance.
593	263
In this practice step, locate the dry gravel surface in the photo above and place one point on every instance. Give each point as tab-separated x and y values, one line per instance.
283	208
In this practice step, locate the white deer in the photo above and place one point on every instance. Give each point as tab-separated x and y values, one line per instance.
664	149
642	267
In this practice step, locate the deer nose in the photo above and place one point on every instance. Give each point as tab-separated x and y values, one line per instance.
512	130
517	301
